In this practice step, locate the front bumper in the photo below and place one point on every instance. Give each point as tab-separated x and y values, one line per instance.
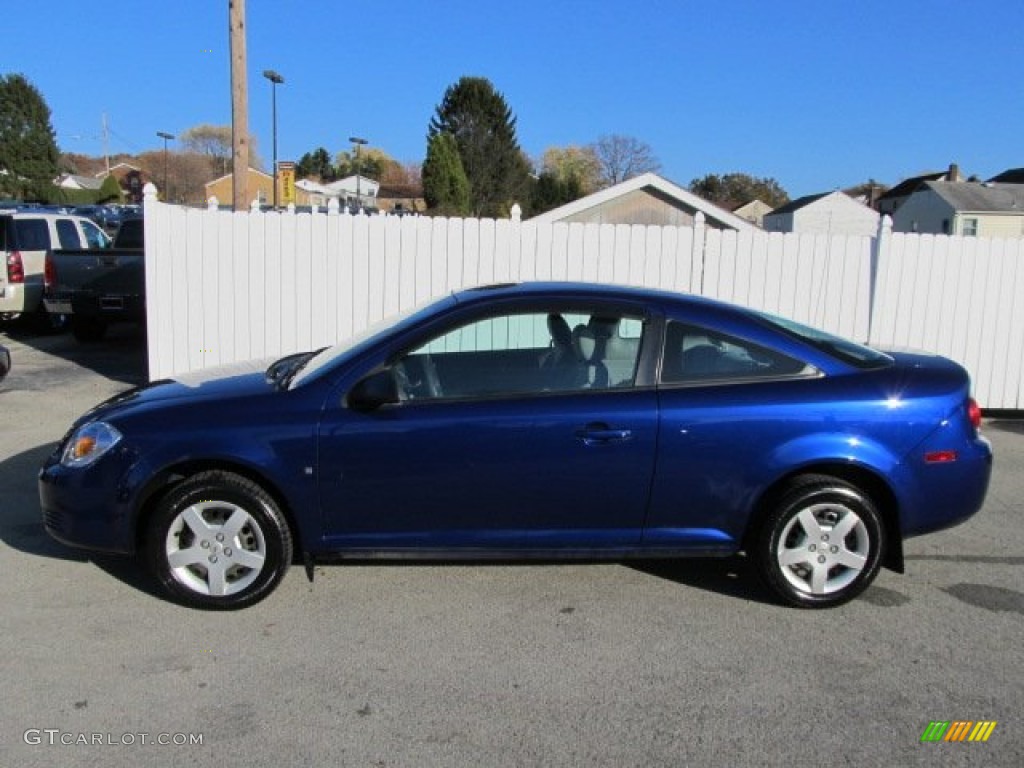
91	507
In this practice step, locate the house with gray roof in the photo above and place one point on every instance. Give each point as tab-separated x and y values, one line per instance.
890	201
982	209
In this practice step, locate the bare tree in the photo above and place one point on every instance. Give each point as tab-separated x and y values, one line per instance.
623	157
214	141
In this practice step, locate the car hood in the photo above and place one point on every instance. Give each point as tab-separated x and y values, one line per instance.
227	381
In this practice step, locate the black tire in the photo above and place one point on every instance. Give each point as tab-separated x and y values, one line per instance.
88	329
802	557
218	540
44	323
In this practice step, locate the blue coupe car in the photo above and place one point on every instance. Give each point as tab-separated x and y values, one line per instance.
548	421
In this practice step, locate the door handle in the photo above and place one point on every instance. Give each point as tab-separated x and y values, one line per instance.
600	434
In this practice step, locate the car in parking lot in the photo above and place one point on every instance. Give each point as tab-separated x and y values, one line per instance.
25	238
549	420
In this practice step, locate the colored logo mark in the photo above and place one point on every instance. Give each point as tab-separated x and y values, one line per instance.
958	730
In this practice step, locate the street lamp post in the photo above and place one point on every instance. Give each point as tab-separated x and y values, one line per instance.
275	80
358	142
166	137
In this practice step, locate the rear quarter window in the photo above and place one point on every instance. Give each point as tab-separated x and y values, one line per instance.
31	235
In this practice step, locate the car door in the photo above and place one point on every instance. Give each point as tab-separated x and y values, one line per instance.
498	442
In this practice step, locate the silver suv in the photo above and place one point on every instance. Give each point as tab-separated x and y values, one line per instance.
25	237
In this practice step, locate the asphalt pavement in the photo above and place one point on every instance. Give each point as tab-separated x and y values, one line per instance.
665	664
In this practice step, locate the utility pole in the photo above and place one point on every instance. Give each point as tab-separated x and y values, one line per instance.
239	105
106	143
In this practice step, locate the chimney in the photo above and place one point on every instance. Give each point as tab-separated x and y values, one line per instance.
954	173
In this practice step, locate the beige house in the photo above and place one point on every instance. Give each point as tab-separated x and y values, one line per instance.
981	209
754	211
260	187
644	199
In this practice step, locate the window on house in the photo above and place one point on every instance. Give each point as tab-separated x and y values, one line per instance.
970	228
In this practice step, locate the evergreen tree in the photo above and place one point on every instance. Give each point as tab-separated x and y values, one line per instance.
550	191
110	192
484	130
28	148
445	186
316	163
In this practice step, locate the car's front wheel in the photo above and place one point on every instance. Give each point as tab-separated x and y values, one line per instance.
218	540
822	543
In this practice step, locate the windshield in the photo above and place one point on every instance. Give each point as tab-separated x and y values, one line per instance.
848	351
355	344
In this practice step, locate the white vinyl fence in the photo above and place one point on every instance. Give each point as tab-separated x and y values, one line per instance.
228	286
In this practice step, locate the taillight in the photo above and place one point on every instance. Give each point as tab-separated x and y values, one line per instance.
974	412
49	272
15	269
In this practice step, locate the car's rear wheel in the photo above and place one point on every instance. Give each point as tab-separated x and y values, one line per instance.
218	540
822	543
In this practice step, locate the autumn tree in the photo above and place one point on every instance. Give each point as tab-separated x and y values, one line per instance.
573	165
483	127
445	186
734	189
372	163
187	174
623	157
28	147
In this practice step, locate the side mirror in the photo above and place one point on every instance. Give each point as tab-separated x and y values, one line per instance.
375	390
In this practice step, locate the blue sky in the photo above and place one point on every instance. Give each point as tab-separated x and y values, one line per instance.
815	93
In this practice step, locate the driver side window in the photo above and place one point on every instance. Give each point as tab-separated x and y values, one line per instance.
524	354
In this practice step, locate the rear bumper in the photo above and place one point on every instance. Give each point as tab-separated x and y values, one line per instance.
110	307
949	492
20	297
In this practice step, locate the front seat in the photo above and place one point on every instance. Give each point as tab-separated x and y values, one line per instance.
564	368
590	342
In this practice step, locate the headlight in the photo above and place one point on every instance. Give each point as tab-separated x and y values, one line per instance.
88	443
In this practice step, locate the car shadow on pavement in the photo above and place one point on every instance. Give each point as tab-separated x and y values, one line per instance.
21	524
731	576
121	356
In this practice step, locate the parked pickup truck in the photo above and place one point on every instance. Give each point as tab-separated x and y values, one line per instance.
96	288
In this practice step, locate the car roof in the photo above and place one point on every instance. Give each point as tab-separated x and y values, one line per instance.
582	290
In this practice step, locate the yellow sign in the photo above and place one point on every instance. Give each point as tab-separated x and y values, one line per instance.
286	182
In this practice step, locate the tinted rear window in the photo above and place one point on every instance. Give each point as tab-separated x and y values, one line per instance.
848	351
31	235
